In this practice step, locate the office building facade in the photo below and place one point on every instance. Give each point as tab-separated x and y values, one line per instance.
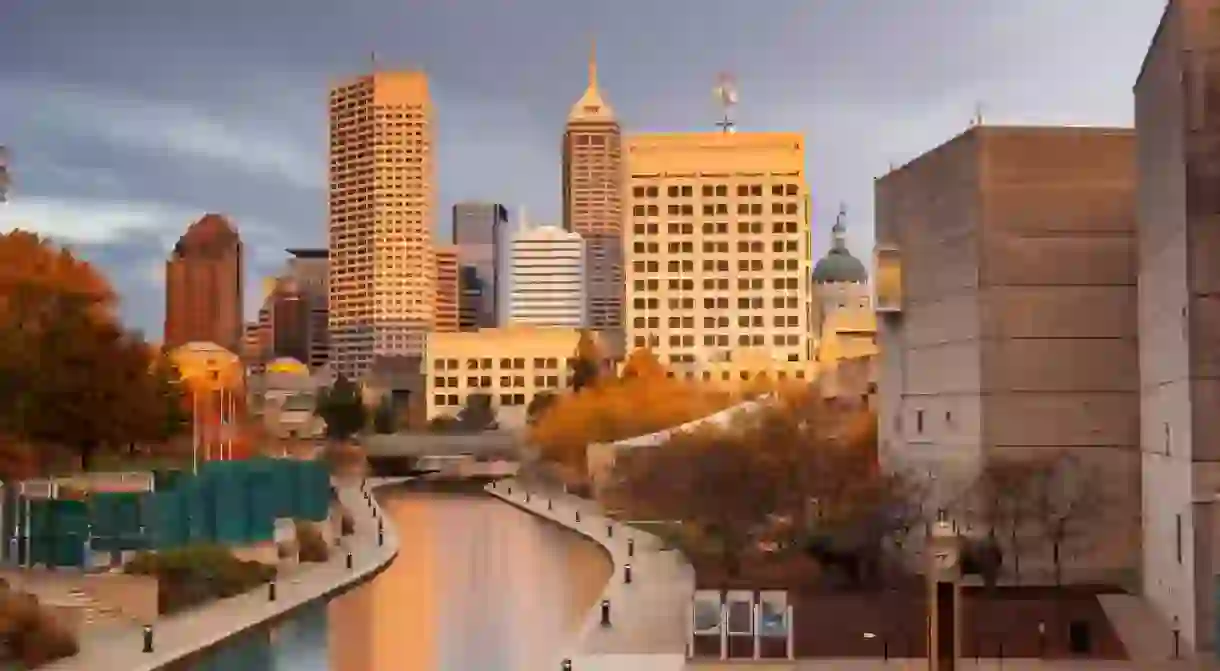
478	235
548	266
382	277
447	293
717	250
204	286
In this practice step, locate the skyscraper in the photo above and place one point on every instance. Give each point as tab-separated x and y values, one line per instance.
548	278
477	233
718	251
593	199
203	286
448	295
382	272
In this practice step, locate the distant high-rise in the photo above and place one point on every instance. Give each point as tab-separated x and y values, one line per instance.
447	293
593	199
382	277
203	286
477	233
548	278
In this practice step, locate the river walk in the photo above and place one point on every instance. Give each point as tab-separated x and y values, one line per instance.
182	635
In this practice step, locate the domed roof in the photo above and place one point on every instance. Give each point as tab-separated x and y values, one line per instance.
839	266
287	365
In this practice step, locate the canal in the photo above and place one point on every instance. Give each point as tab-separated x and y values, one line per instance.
478	585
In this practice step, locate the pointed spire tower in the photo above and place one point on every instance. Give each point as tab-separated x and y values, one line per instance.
593	197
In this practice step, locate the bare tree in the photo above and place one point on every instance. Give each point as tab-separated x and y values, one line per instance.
1067	502
1003	496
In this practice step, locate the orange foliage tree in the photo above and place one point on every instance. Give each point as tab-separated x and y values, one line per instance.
70	375
643	401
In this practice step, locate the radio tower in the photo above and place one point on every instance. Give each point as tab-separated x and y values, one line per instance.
726	97
4	178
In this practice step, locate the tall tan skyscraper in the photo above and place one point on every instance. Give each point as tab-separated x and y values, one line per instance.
203	286
382	272
593	199
718	252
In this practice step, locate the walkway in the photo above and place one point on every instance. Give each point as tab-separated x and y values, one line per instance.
184	634
649	615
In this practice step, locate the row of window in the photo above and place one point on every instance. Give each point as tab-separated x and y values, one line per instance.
712	284
517	363
717	303
743	247
714	190
779	321
712	209
455	400
720	340
716	228
506	381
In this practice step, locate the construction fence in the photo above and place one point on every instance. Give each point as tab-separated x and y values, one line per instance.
227	502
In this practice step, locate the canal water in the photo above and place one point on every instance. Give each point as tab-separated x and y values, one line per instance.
478	585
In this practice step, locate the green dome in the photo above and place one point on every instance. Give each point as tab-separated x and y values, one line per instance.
839	266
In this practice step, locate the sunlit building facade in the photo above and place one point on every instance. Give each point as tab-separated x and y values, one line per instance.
204	286
548	267
718	255
382	275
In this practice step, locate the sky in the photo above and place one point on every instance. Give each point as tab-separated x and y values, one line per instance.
126	120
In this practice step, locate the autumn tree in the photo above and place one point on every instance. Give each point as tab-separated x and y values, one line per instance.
342	408
712	483
1003	503
642	364
586	362
538	405
477	414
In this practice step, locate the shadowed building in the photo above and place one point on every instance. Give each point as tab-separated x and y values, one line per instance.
203	286
478	233
1177	120
593	199
1006	287
447	294
382	275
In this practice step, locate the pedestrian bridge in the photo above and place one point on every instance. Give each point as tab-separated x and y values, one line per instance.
486	455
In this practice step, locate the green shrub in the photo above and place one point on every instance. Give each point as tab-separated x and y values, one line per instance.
197	574
312	544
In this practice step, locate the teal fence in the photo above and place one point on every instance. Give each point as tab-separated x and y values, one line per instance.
227	503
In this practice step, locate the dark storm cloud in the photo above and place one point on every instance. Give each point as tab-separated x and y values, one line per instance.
130	118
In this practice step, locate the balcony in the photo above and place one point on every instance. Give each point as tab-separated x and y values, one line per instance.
887	273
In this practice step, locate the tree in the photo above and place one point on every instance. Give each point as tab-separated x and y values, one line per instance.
643	364
710	482
384	418
342	408
1068	501
477	413
1003	497
586	362
538	405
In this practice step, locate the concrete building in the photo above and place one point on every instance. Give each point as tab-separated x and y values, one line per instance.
204	286
292	322
510	364
548	278
310	270
382	277
447	294
1012	334
718	259
477	235
593	199
1177	125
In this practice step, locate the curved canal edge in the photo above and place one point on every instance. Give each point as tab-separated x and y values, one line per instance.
642	621
182	636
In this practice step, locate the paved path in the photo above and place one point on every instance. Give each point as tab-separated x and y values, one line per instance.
181	635
649	616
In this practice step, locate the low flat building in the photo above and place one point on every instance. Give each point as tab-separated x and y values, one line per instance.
510	365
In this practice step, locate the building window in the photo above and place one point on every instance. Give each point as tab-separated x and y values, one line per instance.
919	421
1178	534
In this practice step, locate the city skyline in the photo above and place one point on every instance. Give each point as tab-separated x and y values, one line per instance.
186	135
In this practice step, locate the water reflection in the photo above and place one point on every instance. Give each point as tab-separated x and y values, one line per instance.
477	586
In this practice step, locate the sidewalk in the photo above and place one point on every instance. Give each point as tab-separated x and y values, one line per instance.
649	615
179	636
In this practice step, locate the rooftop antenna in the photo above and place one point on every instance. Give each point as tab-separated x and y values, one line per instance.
726	97
4	176
373	59
978	115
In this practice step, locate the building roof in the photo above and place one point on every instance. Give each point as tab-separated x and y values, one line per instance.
213	233
592	107
308	253
839	266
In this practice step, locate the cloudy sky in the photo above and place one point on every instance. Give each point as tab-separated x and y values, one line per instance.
128	119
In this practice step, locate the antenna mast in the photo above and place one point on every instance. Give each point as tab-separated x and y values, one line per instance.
4	175
726	97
